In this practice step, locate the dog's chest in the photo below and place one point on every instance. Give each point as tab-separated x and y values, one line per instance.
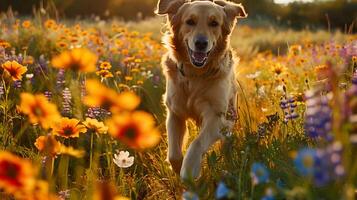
186	97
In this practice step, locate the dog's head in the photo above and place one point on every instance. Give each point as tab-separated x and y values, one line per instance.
201	27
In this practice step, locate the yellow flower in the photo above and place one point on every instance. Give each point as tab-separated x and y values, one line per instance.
68	128
135	70
136	129
104	73
26	24
105	65
14	69
294	50
40	192
76	59
72	152
278	68
48	145
95	126
322	72
128	78
28	60
16	174
100	96
38	109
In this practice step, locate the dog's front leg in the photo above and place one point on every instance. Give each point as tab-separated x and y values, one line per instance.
209	134
176	128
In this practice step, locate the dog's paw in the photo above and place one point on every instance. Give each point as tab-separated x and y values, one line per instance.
191	171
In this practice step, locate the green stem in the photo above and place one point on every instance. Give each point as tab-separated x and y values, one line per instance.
91	151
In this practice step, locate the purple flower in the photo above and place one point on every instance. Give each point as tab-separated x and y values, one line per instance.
18	84
48	94
288	105
318	116
2	92
60	79
66	102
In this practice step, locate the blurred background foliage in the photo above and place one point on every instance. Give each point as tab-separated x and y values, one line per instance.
341	14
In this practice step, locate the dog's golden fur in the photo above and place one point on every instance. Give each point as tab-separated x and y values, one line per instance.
200	93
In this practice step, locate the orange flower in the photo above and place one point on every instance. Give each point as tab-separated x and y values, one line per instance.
48	145
50	23
16	174
38	109
100	96
68	128
105	65
76	59
4	44
26	24
61	44
106	191
104	73
95	126
137	129
14	69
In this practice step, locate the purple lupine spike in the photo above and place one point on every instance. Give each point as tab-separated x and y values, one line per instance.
48	95
60	79
93	112
83	89
318	117
18	84
2	91
66	101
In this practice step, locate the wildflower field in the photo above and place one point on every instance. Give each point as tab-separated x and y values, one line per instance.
82	114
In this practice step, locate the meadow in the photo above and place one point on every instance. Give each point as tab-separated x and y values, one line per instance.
82	114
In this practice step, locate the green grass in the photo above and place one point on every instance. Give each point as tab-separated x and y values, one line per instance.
260	134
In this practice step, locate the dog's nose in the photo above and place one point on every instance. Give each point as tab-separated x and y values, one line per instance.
201	42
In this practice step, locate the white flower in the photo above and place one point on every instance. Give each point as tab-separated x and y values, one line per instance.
123	160
261	91
280	88
29	76
255	75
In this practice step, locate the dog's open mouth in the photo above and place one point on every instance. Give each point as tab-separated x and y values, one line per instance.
198	59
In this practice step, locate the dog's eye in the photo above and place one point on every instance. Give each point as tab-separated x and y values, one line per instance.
190	22
213	24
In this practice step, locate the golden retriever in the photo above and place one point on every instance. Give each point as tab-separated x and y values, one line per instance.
200	75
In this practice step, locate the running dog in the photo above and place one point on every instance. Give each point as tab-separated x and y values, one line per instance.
200	75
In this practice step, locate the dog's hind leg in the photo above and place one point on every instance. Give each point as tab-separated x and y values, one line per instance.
176	128
209	134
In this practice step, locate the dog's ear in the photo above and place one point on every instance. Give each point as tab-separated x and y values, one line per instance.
232	10
169	7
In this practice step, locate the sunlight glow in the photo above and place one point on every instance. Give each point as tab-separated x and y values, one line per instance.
290	1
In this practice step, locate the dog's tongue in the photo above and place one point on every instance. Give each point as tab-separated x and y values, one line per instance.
199	57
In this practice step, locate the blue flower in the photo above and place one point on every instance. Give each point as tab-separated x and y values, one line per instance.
188	195
222	191
268	195
259	173
305	161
